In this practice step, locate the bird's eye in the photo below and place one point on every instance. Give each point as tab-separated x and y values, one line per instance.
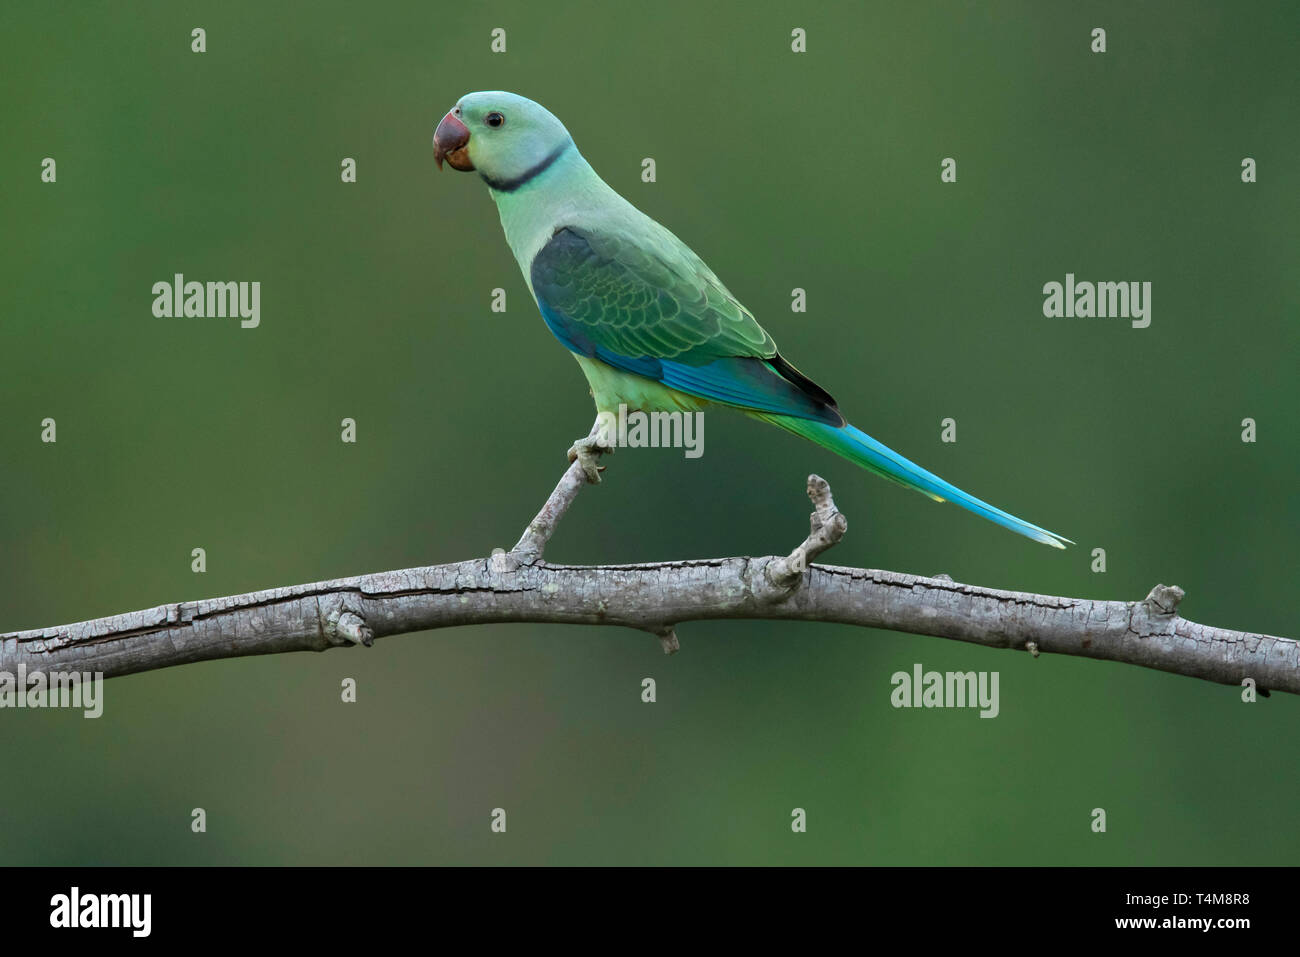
494	120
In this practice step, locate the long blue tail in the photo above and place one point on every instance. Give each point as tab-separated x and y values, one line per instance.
861	449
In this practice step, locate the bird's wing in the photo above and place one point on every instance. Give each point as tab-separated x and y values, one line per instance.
655	310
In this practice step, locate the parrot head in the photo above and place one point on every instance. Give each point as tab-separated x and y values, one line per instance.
503	136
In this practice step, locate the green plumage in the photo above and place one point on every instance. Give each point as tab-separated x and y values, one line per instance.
651	325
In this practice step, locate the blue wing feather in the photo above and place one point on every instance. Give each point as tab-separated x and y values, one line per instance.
691	336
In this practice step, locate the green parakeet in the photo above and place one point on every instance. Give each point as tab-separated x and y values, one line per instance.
649	323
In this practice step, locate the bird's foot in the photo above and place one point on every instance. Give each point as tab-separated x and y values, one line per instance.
587	452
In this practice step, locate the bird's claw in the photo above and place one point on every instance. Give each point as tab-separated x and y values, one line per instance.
587	452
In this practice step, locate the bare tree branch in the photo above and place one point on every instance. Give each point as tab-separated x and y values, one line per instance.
539	531
518	586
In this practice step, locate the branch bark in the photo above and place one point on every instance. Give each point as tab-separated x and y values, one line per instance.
518	586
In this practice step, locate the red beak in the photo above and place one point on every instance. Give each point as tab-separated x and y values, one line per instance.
450	142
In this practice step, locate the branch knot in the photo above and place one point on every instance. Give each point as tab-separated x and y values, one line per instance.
827	526
1162	601
351	627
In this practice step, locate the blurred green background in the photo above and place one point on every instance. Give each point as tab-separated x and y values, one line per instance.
818	170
